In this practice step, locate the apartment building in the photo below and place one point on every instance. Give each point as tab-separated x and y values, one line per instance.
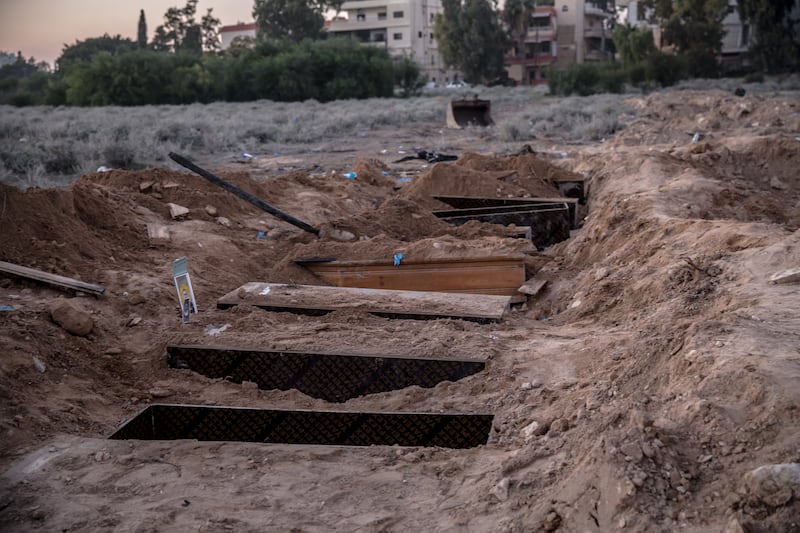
571	31
584	32
735	42
540	47
403	27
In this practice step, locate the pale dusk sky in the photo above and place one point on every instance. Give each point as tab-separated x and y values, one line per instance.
41	28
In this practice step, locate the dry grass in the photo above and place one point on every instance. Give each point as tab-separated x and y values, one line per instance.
45	147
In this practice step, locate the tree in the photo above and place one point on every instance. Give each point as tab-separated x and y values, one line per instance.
180	31
408	77
634	45
209	29
517	15
141	34
694	27
291	19
775	46
471	38
83	51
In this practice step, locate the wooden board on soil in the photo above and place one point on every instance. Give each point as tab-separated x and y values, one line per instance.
312	299
53	279
498	276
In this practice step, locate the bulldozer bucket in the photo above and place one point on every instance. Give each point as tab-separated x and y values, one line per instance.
466	112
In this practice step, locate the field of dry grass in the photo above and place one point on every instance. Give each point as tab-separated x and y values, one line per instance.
46	147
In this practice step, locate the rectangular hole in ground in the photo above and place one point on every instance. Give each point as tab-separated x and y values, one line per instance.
204	423
328	376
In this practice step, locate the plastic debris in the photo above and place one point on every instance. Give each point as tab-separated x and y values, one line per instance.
103	168
397	258
261	235
215	329
350	175
6	308
245	155
696	137
39	364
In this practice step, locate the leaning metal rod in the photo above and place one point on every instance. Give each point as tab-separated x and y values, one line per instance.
244	195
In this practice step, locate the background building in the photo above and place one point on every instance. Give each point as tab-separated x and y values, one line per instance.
403	27
228	33
572	31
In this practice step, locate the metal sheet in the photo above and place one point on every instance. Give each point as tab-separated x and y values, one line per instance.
467	202
549	224
204	423
328	376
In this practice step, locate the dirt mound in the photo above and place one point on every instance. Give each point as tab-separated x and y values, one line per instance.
675	116
656	368
488	176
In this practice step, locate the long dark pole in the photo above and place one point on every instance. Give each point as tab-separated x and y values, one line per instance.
244	195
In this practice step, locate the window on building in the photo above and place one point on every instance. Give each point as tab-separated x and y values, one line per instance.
564	8
433	60
420	35
382	15
361	17
433	18
378	37
431	36
745	35
397	36
397	14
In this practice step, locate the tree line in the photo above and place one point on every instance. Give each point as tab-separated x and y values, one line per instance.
292	60
183	64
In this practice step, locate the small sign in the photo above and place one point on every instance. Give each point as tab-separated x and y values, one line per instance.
183	284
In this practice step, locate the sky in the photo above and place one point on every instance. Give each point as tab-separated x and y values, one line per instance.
41	28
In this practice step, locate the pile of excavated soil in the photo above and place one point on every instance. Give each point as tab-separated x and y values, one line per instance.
638	391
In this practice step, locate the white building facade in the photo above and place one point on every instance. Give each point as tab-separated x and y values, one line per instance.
403	27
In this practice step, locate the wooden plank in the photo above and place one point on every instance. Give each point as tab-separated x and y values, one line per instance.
533	287
333	377
333	428
312	299
491	275
53	279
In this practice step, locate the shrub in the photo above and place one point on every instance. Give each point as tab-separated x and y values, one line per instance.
754	77
666	69
586	78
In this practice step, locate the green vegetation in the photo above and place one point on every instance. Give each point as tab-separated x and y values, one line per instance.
181	33
471	39
694	27
587	78
291	19
776	44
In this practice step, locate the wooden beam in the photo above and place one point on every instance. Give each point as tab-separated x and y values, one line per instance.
312	299
498	276
333	377
53	279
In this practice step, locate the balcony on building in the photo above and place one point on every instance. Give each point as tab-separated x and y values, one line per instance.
543	25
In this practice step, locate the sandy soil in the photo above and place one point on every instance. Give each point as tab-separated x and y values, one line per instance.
657	368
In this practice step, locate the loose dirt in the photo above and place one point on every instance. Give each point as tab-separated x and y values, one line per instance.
658	366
